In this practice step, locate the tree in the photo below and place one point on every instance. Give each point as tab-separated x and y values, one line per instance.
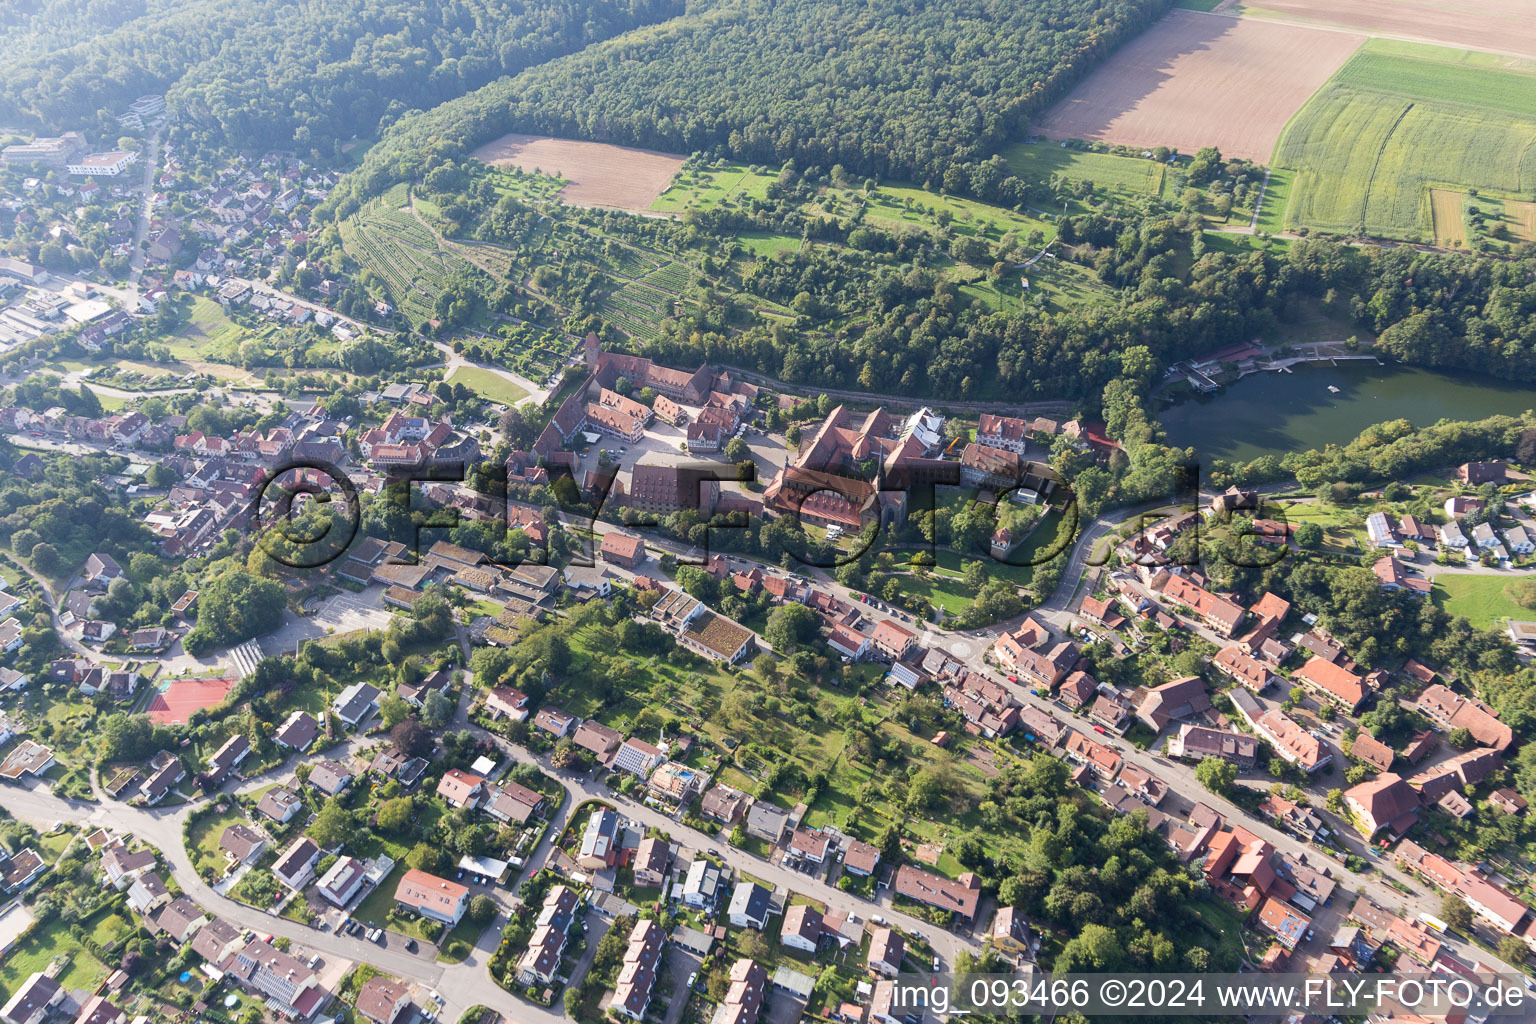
395	815
1461	738
1513	950
1216	774
332	825
45	559
436	710
1309	536
737	450
1335	801
482	909
235	607
424	857
394	710
1457	915
412	738
789	626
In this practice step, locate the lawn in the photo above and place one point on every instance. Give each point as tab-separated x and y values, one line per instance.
706	189
375	908
1277	195
1480	598
47	940
203	841
764	243
1128	174
1398	120
490	386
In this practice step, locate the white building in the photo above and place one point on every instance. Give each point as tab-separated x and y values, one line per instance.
103	165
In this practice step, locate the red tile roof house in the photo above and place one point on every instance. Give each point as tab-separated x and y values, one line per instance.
461	789
623	549
810	844
508	702
956	896
1333	683
1180	698
891	640
432	897
381	999
1368	749
1385	802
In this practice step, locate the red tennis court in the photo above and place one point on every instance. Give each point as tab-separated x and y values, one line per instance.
177	699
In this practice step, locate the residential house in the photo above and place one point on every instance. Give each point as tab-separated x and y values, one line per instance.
599	840
598	739
802	928
958	896
650	864
1332	683
637	974
1196	743
540	962
887	949
279	804
432	897
638	757
343	880
295	866
242	844
382	999
298	731
724	804
292	988
1180	698
750	905
461	789
356	703
1385	802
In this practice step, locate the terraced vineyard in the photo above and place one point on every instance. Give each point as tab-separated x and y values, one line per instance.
639	306
388	239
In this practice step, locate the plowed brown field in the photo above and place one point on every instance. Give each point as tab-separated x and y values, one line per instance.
1498	26
1197	80
598	174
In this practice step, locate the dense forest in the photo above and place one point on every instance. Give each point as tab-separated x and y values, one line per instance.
898	89
262	73
31	27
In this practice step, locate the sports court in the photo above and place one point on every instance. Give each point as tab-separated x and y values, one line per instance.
175	700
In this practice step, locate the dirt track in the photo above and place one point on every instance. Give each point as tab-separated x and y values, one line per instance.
598	174
1197	80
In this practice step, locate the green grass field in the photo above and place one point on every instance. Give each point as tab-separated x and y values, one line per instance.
489	386
1480	598
1277	194
1396	120
1128	174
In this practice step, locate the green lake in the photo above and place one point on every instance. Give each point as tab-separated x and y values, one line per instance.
1276	413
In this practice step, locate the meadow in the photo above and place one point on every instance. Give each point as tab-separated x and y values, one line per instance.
490	386
1132	175
1480	598
1400	121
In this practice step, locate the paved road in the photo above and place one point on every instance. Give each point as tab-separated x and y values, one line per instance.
146	211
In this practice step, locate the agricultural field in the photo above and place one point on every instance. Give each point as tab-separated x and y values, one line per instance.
1497	26
1134	176
1397	138
596	174
1196	80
